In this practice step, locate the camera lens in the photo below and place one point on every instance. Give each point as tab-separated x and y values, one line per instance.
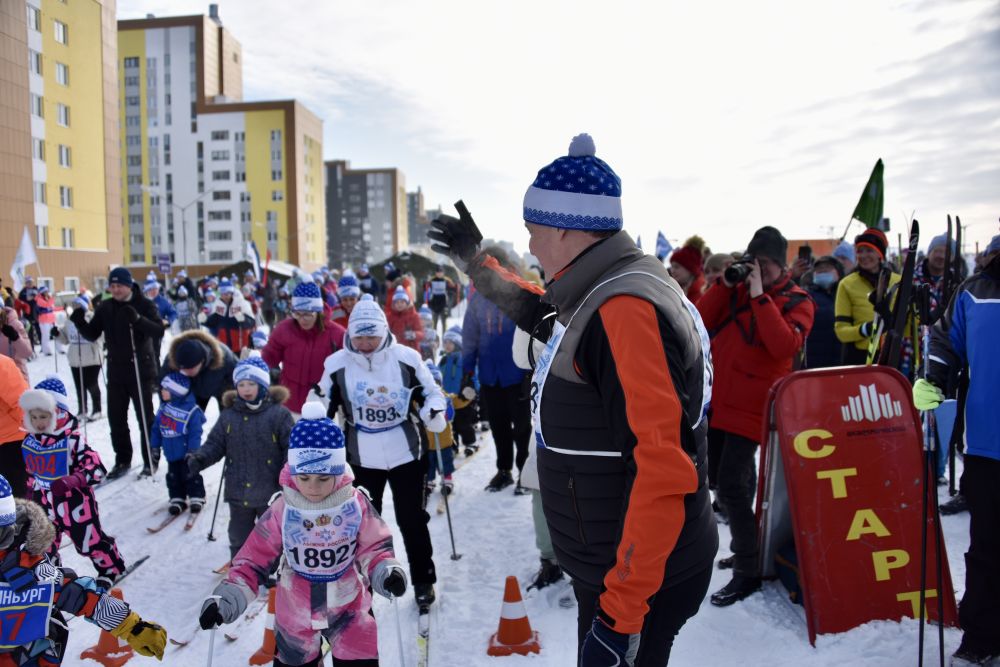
737	273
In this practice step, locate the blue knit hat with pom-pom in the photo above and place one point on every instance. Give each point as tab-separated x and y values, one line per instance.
253	368
316	444
8	508
55	387
307	298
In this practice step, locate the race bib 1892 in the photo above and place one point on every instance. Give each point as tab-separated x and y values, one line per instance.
320	544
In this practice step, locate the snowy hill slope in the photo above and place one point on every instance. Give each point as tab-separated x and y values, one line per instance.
493	532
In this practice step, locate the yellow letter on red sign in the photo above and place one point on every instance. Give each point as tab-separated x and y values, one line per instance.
913	597
866	521
801	444
891	559
836	478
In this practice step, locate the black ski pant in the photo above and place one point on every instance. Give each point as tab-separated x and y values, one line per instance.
669	610
241	522
122	390
716	439
979	611
181	485
85	377
464	425
510	421
737	484
12	468
373	662
407	484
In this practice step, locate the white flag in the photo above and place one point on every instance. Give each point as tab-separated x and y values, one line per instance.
25	256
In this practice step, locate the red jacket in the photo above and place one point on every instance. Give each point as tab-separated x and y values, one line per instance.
697	289
753	351
402	323
301	354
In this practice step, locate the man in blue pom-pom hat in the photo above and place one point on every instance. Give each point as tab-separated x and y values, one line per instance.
619	394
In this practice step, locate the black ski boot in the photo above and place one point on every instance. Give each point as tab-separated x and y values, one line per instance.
738	588
119	470
500	481
725	563
956	505
176	507
548	573
424	595
968	655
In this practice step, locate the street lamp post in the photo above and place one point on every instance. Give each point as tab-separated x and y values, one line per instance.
183	210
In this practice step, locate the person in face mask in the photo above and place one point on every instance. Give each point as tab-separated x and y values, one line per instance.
822	347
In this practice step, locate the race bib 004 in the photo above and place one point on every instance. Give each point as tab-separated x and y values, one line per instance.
45	463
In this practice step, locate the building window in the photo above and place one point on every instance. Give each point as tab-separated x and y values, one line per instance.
220	155
220	215
35	62
276	174
220	175
40	196
135	160
65	156
68	237
62	114
61	32
132	101
220	236
62	74
132	62
71	284
42	235
220	135
65	196
38	148
220	255
221	195
277	195
37	105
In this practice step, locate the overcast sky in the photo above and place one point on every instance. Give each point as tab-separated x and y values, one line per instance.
718	117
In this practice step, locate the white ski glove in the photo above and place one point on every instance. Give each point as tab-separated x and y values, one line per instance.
434	419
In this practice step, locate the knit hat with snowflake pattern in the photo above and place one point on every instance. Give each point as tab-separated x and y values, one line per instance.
316	444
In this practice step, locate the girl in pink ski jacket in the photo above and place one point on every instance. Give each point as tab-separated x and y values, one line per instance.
334	543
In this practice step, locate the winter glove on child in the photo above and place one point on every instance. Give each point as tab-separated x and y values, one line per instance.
64	486
227	602
147	638
19	578
10	332
53	333
193	464
603	647
389	579
926	396
433	419
459	238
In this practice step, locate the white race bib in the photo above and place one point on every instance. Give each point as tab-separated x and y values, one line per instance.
539	377
320	544
379	407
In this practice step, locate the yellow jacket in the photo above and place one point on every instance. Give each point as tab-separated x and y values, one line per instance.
853	309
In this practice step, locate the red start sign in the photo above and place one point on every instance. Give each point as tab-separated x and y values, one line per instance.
847	442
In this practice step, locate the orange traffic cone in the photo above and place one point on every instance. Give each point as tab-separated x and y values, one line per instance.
514	634
109	651
265	654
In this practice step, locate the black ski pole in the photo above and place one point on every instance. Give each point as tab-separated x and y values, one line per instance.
923	297
215	512
437	442
142	405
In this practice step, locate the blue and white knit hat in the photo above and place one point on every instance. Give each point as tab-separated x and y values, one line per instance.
182	292
149	286
401	294
177	384
306	297
253	368
435	371
8	508
348	286
316	444
578	191
55	387
454	334
367	319
425	312
226	286
259	339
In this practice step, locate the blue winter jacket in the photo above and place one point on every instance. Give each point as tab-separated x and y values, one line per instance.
166	309
487	342
823	348
177	427
966	335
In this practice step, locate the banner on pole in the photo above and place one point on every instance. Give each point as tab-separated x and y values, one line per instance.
842	474
24	257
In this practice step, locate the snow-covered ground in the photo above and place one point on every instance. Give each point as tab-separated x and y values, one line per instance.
493	532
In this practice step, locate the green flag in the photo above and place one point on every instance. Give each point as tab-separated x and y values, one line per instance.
869	208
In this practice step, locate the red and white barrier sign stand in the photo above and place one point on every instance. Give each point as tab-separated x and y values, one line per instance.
842	474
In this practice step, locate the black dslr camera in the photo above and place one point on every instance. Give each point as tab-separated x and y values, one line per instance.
738	271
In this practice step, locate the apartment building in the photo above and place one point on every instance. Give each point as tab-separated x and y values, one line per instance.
366	214
59	140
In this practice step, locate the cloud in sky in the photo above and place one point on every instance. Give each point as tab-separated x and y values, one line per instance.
718	117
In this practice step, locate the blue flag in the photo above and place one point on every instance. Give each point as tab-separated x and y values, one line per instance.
638	241
663	246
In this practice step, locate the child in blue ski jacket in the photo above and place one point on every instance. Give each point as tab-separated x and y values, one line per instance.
177	431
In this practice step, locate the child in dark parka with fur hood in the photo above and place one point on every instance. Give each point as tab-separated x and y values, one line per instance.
26	534
252	433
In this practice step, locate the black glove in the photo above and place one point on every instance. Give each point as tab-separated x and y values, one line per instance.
54	333
210	616
19	578
603	647
459	238
130	314
866	329
395	583
10	332
193	464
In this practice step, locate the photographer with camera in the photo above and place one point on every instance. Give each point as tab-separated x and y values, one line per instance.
758	319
